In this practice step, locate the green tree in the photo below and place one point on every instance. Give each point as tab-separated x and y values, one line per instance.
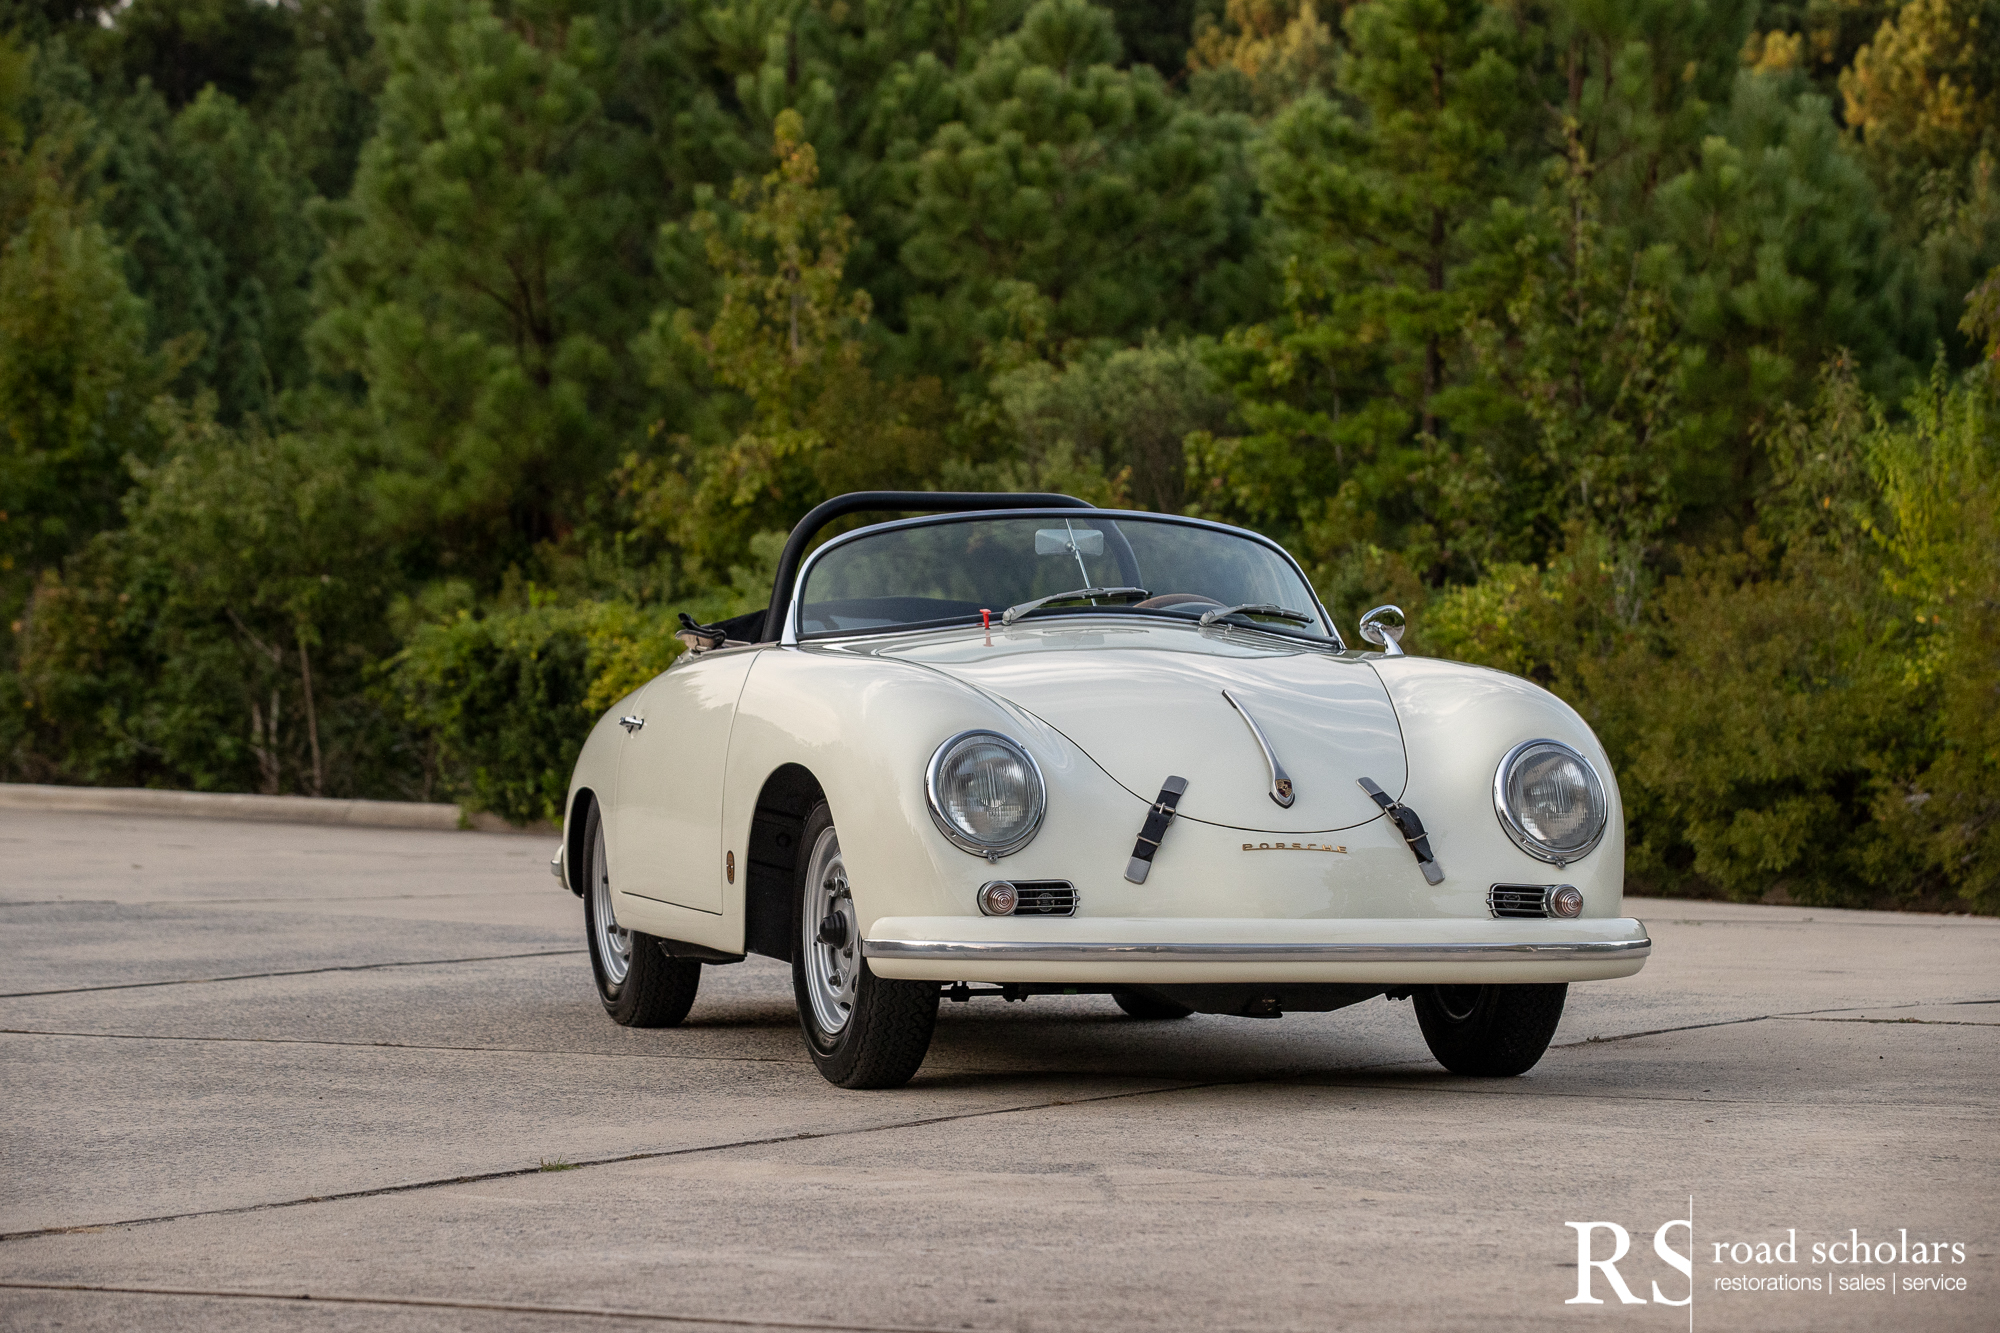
1261	54
76	373
180	47
1356	404
1923	99
222	638
1125	411
1637	86
1586	347
872	82
786	340
246	204
1127	211
1924	94
485	282
1778	258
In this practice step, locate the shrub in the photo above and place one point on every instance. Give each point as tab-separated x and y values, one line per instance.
506	698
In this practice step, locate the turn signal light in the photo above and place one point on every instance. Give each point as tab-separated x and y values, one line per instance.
998	898
1567	900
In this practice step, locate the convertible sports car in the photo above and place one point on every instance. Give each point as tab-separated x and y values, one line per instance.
1019	745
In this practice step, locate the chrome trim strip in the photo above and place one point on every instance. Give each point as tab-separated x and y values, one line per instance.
1041	951
789	635
1281	782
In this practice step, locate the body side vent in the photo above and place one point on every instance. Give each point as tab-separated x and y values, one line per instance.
1518	900
1045	897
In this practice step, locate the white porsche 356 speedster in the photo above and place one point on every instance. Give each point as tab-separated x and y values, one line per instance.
1023	746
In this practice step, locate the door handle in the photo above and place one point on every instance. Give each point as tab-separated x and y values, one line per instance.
631	724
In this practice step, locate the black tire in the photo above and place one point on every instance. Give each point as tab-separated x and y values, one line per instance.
656	991
1489	1031
878	1030
1149	1008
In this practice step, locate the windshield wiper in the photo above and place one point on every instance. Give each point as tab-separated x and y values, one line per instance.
1014	613
1256	609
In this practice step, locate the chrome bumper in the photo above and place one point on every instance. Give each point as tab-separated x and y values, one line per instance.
1036	951
1112	950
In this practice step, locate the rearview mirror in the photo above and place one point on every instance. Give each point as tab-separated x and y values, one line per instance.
1060	541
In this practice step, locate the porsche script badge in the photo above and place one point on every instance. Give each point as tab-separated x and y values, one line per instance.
1293	847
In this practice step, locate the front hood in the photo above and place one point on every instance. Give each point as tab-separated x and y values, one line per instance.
1144	701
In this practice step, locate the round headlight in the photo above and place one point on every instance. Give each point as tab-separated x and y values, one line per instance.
1550	801
985	793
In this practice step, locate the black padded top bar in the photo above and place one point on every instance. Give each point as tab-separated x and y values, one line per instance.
890	502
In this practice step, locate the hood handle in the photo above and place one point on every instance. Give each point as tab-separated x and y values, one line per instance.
1281	782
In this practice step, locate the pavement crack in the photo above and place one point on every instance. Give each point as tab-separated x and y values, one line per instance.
1656	1032
296	972
1912	1022
405	1046
1791	1014
492	1307
983	1073
483	894
515	1173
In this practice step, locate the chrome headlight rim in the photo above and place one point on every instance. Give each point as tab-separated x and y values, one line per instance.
958	837
1526	841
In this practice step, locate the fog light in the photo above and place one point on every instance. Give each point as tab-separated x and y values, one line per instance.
1566	901
998	898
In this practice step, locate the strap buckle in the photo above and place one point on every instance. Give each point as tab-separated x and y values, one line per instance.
1410	826
1158	818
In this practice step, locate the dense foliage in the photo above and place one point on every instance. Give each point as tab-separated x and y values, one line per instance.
379	377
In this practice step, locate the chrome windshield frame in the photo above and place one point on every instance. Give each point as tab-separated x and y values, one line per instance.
790	637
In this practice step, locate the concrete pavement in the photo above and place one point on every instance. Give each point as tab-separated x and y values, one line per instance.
245	1064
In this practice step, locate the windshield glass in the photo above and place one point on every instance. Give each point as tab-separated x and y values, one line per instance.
953	568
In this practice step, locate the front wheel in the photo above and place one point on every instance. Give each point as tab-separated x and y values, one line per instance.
641	986
1489	1031
863	1031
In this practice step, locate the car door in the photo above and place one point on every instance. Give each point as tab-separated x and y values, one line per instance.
667	836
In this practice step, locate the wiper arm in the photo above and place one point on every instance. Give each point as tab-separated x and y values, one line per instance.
1256	609
1014	613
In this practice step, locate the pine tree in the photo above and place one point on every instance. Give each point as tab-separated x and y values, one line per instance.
1776	246
76	370
485	282
1125	210
786	340
1263	54
1358	401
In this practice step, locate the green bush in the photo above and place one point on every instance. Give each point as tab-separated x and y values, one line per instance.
1803	716
506	699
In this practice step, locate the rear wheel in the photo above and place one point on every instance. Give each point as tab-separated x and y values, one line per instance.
1148	1007
1489	1031
864	1031
641	987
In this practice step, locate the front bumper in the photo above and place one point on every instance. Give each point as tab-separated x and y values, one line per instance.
1139	950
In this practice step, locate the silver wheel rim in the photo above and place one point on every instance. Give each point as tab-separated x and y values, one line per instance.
832	970
612	942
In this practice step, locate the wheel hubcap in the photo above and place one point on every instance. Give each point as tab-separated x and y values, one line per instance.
1458	1002
611	941
832	937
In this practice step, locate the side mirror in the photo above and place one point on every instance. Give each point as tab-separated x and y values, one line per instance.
1384	627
